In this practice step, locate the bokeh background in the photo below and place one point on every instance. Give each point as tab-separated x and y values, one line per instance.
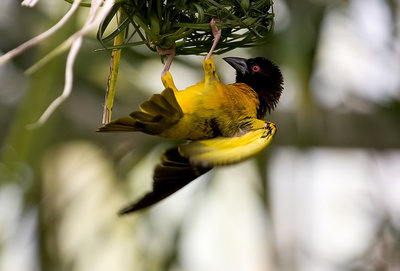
324	196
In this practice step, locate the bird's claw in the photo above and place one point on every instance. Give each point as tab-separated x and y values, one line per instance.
217	35
171	54
163	52
216	32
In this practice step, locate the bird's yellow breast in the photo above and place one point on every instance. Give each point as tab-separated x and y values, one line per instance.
213	109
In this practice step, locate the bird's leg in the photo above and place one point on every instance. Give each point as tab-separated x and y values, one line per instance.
171	54
217	35
208	64
166	77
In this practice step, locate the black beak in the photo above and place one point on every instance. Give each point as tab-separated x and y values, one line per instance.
238	63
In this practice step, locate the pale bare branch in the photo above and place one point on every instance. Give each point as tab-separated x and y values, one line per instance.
18	50
93	20
29	3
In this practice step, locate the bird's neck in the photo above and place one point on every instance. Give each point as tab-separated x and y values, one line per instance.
268	101
268	93
268	96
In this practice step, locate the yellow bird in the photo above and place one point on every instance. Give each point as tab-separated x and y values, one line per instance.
223	123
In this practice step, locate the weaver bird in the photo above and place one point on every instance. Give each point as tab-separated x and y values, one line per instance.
222	123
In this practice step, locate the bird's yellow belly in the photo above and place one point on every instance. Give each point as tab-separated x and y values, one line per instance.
205	116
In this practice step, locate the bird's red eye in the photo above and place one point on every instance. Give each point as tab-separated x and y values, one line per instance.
256	68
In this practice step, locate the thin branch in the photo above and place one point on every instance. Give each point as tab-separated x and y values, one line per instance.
29	3
44	60
69	78
67	43
18	50
76	39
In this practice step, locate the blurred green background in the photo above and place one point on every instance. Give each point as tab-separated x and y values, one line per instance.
323	196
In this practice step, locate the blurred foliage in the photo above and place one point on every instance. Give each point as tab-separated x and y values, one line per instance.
383	251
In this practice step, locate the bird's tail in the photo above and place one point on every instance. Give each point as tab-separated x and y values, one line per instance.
173	173
158	113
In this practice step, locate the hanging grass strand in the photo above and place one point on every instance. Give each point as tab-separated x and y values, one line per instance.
114	67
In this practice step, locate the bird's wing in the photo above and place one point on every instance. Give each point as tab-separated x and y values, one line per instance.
158	113
224	151
173	173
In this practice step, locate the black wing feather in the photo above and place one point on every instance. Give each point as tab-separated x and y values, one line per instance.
173	173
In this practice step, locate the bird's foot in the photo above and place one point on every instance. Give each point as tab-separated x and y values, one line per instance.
217	35
171	54
216	32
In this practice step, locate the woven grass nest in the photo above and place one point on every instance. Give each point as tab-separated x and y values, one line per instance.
186	24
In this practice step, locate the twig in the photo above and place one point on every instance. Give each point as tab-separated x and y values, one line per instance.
69	78
76	41
29	3
18	50
44	60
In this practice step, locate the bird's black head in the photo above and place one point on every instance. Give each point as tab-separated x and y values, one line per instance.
261	75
